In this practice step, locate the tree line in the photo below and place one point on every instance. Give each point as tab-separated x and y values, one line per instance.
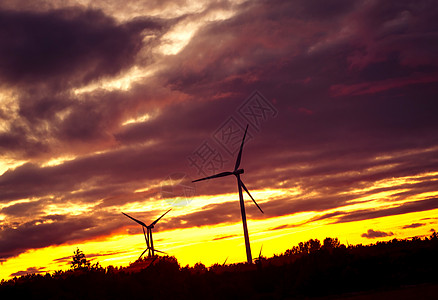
309	269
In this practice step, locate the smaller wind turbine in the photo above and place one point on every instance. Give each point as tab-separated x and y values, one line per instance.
258	260
148	234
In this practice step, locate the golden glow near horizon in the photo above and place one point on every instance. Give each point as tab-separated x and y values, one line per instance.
215	244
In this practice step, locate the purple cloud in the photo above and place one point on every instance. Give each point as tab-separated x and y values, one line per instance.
413	225
67	46
372	234
30	270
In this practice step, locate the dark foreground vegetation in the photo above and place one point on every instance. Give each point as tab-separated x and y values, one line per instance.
404	268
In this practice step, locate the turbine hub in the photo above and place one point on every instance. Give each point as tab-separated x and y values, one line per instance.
239	171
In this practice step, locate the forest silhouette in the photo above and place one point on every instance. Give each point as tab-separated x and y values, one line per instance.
309	270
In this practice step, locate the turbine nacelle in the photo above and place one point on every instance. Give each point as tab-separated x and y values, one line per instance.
238	172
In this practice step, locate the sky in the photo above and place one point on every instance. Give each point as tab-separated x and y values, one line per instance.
116	106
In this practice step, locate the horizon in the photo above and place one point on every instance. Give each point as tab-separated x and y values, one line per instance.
109	107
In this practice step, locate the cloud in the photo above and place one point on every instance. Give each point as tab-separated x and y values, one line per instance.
413	225
30	270
25	209
44	67
377	87
280	227
285	226
224	237
211	214
372	234
89	257
55	230
70	46
366	214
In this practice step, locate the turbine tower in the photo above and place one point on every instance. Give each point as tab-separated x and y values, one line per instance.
240	185
148	234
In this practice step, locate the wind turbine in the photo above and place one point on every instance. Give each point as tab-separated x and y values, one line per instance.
240	185
148	234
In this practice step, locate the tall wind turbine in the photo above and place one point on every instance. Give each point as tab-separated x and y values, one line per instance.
240	185
148	234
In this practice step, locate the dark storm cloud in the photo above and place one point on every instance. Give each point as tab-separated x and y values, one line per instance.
34	235
64	124
66	46
25	209
46	54
372	234
138	165
16	140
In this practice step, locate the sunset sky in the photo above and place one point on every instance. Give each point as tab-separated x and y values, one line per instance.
115	106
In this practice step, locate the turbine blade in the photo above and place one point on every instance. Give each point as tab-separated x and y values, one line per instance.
153	259
160	251
145	237
260	254
246	190
134	219
239	156
143	253
225	261
155	222
215	176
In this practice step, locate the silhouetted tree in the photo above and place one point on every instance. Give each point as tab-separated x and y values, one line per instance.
79	261
314	245
199	268
330	244
311	246
293	251
303	247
